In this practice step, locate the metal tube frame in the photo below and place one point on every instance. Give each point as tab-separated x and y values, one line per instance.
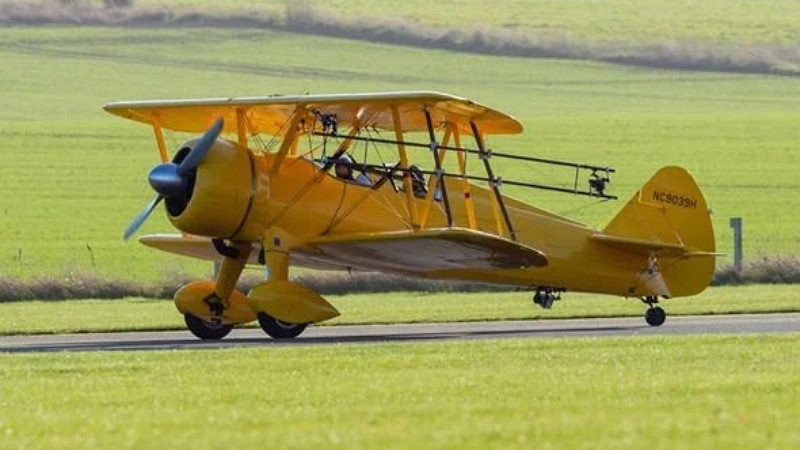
494	183
434	147
490	153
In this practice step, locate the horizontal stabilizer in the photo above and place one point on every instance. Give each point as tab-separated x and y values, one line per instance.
647	247
639	245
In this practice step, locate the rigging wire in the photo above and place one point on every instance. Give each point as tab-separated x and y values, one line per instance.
583	207
255	136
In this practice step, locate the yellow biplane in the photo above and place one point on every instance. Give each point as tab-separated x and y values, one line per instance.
380	182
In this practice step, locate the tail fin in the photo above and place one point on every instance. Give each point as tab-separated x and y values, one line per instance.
667	220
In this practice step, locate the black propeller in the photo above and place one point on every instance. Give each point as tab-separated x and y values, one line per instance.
171	180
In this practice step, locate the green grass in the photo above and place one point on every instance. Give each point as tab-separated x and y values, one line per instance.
74	176
731	392
616	21
629	21
36	317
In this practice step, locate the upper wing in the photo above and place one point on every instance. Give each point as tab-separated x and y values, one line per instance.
269	115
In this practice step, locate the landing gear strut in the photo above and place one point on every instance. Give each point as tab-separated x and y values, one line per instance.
545	296
655	315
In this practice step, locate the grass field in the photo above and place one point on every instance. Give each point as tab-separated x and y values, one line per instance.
731	392
628	21
73	176
398	307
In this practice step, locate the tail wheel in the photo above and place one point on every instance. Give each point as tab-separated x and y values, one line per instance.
279	329
655	316
206	330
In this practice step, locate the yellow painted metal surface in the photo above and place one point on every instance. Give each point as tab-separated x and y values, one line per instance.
427	251
231	269
578	259
290	302
192	299
191	246
222	193
267	115
670	213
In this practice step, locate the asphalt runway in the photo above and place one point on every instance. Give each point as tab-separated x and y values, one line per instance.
352	334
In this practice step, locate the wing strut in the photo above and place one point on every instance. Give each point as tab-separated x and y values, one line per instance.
162	147
241	126
289	138
433	192
407	184
434	147
462	166
493	182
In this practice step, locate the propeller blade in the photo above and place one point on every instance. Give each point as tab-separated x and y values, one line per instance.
201	147
142	216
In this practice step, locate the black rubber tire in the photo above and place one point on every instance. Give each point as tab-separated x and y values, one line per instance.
206	330
278	329
655	316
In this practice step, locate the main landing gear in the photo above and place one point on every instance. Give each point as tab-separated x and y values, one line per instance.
278	329
283	308
655	315
214	330
206	330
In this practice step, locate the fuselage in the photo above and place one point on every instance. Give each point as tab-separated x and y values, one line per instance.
299	202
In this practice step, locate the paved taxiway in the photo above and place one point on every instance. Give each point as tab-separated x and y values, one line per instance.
249	337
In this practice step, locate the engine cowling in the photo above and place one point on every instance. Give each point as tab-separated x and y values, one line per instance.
218	193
